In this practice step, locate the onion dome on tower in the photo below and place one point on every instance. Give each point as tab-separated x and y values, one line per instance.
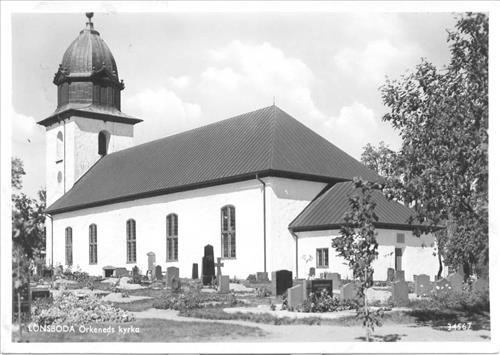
87	81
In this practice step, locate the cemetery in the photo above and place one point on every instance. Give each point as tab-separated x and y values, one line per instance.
259	308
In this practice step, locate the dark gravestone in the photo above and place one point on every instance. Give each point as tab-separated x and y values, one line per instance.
281	281
390	274
317	286
108	271
172	272
158	273
422	285
194	274
208	271
39	292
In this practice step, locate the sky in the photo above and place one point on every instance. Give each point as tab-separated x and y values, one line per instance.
185	70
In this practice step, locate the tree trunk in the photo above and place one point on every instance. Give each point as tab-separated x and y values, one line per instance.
440	271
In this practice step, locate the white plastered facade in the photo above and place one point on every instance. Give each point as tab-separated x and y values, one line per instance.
419	254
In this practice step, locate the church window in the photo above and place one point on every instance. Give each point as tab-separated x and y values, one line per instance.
59	147
322	258
172	238
228	228
69	246
92	244
400	238
103	142
131	242
59	177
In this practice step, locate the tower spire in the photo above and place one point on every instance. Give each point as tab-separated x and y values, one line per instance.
89	24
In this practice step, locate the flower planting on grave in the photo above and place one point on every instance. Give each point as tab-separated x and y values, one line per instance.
67	308
322	303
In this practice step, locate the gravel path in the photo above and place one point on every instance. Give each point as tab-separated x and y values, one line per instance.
321	333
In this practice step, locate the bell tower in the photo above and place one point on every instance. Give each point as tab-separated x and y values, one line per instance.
88	123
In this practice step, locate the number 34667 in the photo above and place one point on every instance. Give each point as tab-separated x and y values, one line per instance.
459	326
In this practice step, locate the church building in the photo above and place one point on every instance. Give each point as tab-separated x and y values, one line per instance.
264	190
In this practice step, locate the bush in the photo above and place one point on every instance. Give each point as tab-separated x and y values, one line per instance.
263	292
465	300
66	308
323	303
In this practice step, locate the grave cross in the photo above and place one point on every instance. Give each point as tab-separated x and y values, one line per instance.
219	264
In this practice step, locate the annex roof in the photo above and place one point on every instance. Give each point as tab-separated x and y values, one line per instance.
327	211
267	142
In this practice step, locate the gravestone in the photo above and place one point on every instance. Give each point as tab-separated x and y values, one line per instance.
336	280
349	291
175	283
262	277
40	292
456	281
312	272
223	284
151	261
400	275
317	286
108	271
422	285
208	271
281	281
121	272
194	274
218	265
400	293
158	273
295	296
172	272
390	274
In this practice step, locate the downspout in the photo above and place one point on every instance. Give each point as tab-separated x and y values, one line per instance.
264	214
296	253
64	154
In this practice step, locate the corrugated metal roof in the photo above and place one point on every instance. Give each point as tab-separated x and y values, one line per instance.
267	141
327	211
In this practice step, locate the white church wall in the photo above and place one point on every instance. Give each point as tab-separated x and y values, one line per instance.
79	150
286	199
86	132
199	224
418	254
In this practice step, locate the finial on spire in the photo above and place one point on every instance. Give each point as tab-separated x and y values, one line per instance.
89	16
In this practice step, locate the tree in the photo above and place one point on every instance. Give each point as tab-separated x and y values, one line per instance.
442	167
379	159
358	245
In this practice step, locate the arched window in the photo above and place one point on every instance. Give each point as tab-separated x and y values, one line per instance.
69	246
228	231
103	142
59	147
92	244
172	238
131	242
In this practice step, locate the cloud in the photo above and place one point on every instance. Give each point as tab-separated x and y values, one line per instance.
25	129
164	113
375	60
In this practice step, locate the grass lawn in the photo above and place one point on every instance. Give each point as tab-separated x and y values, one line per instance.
153	330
